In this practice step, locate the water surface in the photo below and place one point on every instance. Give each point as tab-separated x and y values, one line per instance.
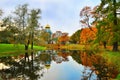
50	65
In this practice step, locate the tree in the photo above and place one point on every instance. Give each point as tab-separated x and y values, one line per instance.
87	35
33	23
86	15
1	13
27	22
63	39
75	38
9	33
115	29
21	20
104	33
45	36
109	9
5	36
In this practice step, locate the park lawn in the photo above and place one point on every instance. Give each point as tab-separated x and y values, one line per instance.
113	57
12	49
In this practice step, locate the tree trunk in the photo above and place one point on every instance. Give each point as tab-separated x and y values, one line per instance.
115	46
26	52
32	37
26	47
115	43
104	43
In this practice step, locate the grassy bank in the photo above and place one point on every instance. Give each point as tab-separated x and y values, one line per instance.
73	47
11	49
113	57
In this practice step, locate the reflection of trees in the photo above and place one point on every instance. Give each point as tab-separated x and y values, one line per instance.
103	69
98	65
64	54
21	69
76	56
88	74
45	58
61	56
35	67
82	58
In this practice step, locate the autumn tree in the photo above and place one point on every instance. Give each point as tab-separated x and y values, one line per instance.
63	39
86	15
88	20
87	35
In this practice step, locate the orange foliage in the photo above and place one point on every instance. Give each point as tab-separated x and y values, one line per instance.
87	35
101	66
85	60
64	38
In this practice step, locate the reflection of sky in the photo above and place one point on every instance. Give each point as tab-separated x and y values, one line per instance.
70	70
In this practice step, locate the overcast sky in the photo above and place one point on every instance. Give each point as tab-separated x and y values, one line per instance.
61	15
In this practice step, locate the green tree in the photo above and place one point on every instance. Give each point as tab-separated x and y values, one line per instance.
27	22
45	36
1	23
33	24
5	36
21	20
1	13
109	9
75	38
9	33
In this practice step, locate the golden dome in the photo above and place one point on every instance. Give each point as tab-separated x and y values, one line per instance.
47	66
47	26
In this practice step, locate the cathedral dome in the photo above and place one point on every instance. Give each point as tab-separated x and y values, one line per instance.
47	26
47	29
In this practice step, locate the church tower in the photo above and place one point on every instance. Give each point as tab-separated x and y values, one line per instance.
47	29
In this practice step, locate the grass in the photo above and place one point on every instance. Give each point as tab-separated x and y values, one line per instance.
118	77
73	47
12	49
68	46
113	57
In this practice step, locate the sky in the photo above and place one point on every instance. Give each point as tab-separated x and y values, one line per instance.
61	15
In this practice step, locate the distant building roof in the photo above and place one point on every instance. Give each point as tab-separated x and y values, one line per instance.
58	32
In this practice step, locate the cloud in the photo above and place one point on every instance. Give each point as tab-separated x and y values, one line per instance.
60	14
65	14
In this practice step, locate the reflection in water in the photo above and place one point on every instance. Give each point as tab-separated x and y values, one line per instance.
56	65
103	69
19	68
64	67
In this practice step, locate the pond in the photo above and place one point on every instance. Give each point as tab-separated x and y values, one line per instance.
55	65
